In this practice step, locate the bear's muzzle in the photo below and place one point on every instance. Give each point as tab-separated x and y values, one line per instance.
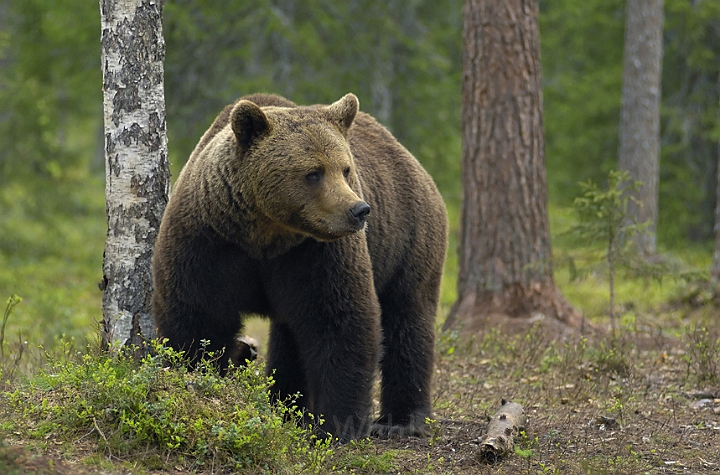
359	212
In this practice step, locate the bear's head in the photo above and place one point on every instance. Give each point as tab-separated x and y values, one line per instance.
297	165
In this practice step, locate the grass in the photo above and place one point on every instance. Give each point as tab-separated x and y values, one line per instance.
595	406
51	246
157	411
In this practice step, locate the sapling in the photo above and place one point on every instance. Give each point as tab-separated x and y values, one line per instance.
603	219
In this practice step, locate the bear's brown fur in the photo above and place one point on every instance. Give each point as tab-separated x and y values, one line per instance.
270	217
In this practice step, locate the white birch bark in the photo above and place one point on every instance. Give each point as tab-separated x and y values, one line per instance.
137	173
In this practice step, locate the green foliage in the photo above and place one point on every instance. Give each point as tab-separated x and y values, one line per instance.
603	219
361	456
582	47
599	240
602	216
702	353
159	407
49	87
51	194
12	302
690	119
51	254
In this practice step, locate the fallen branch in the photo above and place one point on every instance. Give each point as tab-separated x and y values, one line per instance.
504	425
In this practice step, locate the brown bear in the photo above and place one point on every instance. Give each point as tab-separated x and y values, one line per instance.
317	218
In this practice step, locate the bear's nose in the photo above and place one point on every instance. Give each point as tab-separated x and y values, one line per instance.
360	211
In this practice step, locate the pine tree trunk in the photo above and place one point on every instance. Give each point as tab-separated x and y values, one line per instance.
505	255
639	149
137	173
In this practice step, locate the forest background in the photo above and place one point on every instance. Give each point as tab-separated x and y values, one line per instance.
402	59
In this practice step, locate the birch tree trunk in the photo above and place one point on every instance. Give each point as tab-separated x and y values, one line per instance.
137	173
639	149
505	261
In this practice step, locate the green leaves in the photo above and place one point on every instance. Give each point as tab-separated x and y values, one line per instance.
602	214
582	47
12	302
154	407
603	219
49	85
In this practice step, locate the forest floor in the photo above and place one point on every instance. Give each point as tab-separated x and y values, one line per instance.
650	403
647	401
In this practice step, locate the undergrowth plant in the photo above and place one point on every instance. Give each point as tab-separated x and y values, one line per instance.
159	411
6	369
12	302
702	353
602	219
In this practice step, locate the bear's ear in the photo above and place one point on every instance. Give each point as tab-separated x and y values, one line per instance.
248	122
342	113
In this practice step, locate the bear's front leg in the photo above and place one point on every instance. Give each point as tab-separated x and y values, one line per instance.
325	305
340	374
202	286
285	366
408	322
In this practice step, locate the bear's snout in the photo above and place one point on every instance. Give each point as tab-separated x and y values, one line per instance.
360	211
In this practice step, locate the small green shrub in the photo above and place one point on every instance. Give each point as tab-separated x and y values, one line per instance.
702	353
602	218
193	418
8	360
12	302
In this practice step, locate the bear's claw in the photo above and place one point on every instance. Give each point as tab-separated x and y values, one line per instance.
385	428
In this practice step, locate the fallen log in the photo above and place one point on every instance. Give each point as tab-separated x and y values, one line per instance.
503	427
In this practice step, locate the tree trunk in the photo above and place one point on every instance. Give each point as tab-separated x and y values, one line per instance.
639	150
381	83
137	173
715	271
505	256
284	10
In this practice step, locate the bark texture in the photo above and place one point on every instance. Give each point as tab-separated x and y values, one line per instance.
639	149
505	255
137	172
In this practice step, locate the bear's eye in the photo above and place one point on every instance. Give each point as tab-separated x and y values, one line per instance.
346	173
313	177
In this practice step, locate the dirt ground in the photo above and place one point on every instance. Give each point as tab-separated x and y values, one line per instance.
648	404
